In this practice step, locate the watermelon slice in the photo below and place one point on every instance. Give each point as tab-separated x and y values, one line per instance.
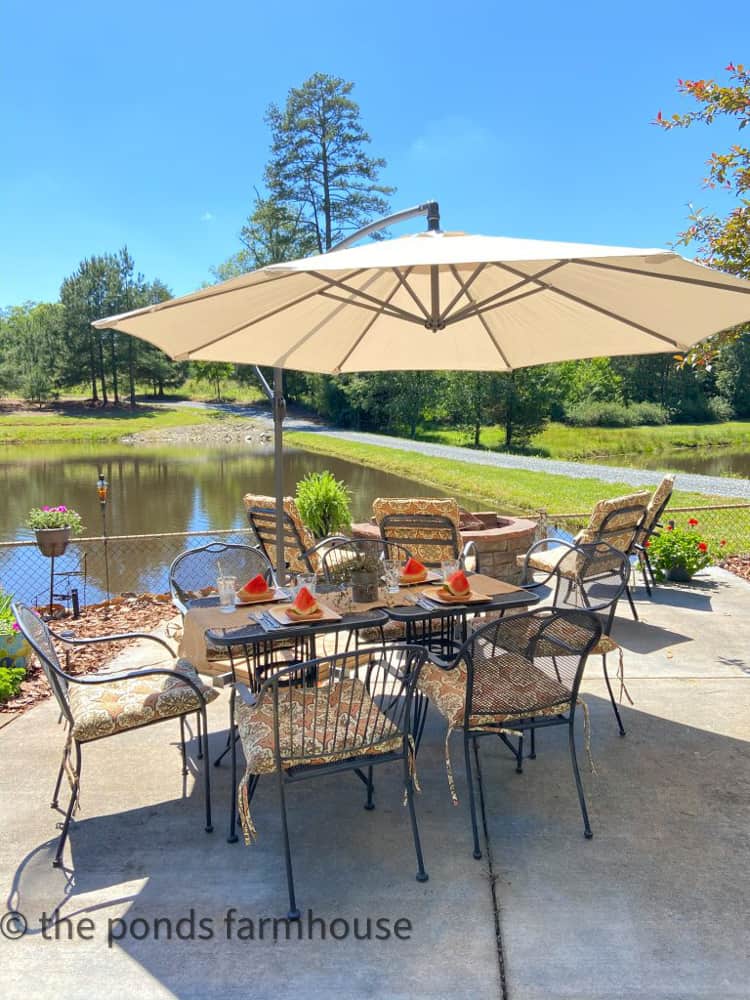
304	606
457	584
254	589
413	571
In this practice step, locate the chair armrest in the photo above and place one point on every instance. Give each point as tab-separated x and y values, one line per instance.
558	543
442	662
328	540
132	675
115	638
246	695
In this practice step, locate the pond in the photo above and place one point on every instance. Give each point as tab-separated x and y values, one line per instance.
153	490
704	461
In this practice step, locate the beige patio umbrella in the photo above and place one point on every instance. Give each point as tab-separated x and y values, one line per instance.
445	301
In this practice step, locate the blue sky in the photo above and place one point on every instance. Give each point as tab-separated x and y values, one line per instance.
142	123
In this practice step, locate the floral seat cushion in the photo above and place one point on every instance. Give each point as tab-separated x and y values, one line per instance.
316	726
527	691
104	709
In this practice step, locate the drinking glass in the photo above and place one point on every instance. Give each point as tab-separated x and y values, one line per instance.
449	566
392	571
308	580
227	588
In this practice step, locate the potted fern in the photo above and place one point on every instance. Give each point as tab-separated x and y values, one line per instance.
53	527
324	503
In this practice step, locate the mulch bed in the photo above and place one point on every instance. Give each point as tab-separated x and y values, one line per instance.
739	565
142	613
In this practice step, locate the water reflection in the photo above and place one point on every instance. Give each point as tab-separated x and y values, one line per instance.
153	490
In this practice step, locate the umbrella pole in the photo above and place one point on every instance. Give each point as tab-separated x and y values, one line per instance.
279	412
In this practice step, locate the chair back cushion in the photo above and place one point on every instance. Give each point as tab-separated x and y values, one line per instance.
656	505
429	527
616	521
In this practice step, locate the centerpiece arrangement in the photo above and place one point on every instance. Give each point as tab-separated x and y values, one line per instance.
676	554
53	527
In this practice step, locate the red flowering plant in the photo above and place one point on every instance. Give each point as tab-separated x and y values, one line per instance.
677	553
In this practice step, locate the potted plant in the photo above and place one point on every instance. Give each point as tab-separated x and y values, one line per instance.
53	527
14	651
677	553
324	503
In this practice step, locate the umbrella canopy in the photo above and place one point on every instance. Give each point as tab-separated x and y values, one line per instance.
448	301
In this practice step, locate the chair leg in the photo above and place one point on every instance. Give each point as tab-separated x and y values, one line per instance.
519	755
232	838
532	740
643	562
199	755
577	775
630	602
612	697
472	805
57	863
226	749
54	803
206	769
422	875
650	569
182	746
370	789
293	913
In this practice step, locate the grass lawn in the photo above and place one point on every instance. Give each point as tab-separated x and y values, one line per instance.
71	423
517	491
562	441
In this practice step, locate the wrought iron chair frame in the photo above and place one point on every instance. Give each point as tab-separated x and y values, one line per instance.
263	521
59	680
284	682
589	553
547	617
645	533
180	597
447	534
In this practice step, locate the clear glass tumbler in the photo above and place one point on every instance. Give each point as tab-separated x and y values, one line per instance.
308	580
227	588
448	566
392	572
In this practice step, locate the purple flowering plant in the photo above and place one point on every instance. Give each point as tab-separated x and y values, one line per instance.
54	517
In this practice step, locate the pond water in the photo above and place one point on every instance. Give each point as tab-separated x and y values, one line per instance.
153	490
704	461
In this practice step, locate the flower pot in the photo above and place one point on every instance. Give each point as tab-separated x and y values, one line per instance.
364	587
14	650
52	541
678	574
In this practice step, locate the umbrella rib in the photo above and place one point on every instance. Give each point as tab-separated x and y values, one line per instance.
357	294
378	307
464	286
369	326
258	319
525	280
482	320
409	289
600	309
681	278
173	303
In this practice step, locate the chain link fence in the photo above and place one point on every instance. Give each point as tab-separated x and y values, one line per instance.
726	527
134	563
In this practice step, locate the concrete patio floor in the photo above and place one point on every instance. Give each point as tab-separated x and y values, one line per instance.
655	906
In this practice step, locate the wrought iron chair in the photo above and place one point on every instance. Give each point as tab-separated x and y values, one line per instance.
362	714
193	573
338	559
301	551
616	522
428	527
512	676
650	525
601	578
105	704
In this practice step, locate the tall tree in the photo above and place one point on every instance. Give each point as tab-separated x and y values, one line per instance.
723	243
319	169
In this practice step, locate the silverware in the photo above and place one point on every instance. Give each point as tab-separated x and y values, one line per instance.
269	622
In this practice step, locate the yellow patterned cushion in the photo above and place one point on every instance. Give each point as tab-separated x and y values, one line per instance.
316	725
104	709
432	553
529	691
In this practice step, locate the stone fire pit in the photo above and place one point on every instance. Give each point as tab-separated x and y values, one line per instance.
499	540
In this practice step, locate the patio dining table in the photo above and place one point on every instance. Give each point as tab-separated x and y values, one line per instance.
260	647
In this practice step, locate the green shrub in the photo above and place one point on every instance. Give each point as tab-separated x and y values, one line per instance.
10	681
720	409
324	504
612	414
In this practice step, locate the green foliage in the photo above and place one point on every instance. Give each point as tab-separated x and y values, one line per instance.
682	549
213	373
54	517
613	414
722	243
324	504
8	623
319	170
11	679
720	409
